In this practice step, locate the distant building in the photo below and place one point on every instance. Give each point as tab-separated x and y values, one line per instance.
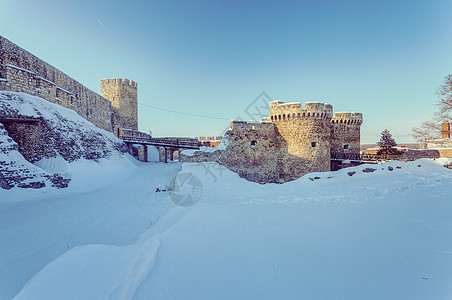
444	144
209	141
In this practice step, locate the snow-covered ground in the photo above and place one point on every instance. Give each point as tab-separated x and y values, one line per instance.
368	232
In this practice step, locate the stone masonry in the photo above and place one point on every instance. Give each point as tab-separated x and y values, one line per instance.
21	71
291	142
123	96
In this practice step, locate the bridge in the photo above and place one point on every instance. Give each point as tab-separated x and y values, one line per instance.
166	145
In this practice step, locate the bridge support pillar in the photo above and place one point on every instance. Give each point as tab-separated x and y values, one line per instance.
143	153
162	155
171	154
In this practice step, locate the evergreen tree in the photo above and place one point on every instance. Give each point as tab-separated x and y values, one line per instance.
387	143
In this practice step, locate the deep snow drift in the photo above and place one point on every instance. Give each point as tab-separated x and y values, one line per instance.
368	232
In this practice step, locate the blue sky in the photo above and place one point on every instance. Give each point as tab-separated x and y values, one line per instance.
213	58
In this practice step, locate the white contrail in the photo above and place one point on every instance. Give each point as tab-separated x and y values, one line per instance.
101	24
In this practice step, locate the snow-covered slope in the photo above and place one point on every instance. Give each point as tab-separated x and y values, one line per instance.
368	232
56	132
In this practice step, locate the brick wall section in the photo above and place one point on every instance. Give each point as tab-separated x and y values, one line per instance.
445	130
21	71
445	152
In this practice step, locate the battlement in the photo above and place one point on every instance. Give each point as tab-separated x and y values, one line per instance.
123	94
347	118
119	81
252	126
280	111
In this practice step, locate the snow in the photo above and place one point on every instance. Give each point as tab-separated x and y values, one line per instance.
153	154
72	127
32	106
367	232
43	79
66	91
443	161
21	69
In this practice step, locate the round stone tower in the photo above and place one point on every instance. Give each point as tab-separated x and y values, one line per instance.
123	95
306	134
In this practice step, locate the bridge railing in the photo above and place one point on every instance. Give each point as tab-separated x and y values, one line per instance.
133	135
176	141
138	136
350	156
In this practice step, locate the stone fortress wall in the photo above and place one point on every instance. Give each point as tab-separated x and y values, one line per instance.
306	133
346	134
291	142
21	71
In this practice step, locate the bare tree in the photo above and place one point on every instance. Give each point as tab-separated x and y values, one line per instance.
444	93
430	130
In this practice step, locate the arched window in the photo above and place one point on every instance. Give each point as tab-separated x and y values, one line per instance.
279	117
284	117
293	116
341	122
288	116
309	114
304	115
299	115
271	117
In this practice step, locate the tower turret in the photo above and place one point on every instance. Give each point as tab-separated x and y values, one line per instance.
123	95
305	133
345	134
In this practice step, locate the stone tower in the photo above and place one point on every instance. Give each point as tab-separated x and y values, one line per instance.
292	141
123	95
345	134
306	134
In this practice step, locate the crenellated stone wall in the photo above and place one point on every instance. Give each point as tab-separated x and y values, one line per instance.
346	134
291	142
21	71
